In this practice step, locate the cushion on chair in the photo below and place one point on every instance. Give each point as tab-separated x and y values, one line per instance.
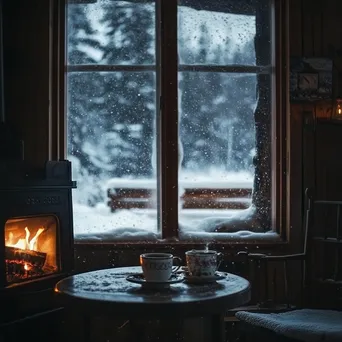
304	325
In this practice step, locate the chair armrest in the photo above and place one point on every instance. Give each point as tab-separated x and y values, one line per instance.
260	256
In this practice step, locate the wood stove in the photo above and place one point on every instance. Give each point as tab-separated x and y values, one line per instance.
36	222
36	235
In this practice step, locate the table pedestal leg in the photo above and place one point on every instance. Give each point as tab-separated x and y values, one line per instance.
167	330
87	329
138	331
172	330
218	328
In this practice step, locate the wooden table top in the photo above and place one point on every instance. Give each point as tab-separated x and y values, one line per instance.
107	291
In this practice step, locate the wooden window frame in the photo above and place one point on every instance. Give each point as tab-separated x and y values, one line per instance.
166	59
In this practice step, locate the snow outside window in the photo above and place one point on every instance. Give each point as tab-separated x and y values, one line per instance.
112	109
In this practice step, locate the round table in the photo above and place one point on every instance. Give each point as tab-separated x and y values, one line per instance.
107	292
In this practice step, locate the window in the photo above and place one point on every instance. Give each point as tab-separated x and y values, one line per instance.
174	123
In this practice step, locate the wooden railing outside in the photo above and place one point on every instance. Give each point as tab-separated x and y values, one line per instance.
192	198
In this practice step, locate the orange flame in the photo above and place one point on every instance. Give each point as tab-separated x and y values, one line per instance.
24	243
27	267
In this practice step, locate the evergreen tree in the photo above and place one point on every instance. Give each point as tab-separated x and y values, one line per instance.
202	147
80	35
111	114
84	101
130	96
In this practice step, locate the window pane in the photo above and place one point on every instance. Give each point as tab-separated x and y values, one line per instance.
218	139
222	32
110	144
111	32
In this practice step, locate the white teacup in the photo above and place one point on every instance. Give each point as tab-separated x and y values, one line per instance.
202	263
158	267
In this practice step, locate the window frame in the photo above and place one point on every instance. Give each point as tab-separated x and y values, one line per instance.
166	59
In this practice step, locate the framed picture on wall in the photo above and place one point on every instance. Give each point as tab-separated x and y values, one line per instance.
311	79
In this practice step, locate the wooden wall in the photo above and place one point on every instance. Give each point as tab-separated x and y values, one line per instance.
315	30
315	27
26	68
31	53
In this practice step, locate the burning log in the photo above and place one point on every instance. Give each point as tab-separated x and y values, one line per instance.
23	263
19	255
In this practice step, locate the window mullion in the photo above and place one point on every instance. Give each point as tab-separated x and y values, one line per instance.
109	68
168	121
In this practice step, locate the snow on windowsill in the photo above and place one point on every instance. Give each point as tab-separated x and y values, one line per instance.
242	235
98	224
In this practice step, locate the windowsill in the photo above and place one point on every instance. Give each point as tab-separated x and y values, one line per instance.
91	255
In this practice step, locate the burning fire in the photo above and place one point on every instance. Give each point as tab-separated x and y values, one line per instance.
30	248
25	243
27	267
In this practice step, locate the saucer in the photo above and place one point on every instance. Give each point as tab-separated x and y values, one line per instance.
138	278
204	280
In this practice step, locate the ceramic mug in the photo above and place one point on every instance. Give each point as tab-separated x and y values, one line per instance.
158	267
203	263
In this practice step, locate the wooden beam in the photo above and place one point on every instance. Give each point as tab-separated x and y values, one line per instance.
168	143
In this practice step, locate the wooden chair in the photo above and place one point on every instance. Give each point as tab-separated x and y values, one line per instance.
321	283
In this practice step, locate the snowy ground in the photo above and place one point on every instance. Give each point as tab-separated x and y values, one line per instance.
99	224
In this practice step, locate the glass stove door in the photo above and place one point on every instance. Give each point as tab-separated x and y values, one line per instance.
31	248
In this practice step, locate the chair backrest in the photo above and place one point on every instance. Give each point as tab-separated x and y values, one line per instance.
319	263
323	249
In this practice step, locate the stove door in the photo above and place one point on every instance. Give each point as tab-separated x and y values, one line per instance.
31	248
